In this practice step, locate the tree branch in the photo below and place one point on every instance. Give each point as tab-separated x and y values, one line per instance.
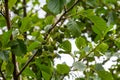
7	17
31	58
49	31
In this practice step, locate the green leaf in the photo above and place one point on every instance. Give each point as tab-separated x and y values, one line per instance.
66	45
18	47
100	25
45	8
74	28
105	75
80	42
99	67
6	37
2	21
29	72
56	6
68	1
63	69
112	17
117	42
9	68
47	27
102	47
11	3
49	20
4	55
82	54
26	24
79	79
44	68
46	75
109	1
33	46
79	66
92	3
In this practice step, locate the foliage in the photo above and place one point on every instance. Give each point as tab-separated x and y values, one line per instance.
30	44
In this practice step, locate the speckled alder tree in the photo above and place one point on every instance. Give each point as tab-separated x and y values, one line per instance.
22	58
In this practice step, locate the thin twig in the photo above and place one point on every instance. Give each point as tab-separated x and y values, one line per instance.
46	36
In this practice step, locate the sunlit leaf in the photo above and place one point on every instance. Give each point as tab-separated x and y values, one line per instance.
80	42
11	3
33	46
66	45
102	47
26	24
63	69
99	25
49	20
46	76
